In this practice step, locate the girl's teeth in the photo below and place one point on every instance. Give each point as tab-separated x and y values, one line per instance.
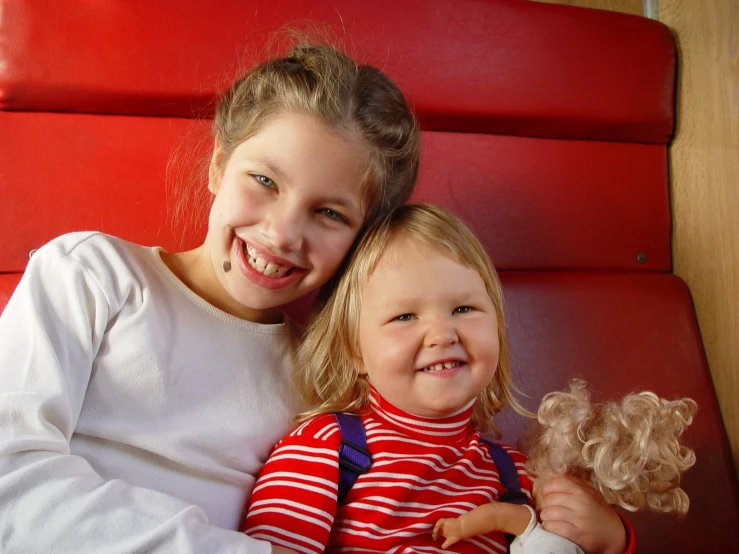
264	267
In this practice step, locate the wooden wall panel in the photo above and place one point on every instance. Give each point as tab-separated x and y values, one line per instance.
704	166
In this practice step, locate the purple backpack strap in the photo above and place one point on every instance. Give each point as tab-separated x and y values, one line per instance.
508	478
354	460
508	474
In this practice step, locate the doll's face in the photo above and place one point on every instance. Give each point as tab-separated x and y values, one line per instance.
428	332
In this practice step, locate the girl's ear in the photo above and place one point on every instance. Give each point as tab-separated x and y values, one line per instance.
215	169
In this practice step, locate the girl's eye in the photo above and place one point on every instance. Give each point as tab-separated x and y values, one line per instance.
462	310
266	181
333	215
404	317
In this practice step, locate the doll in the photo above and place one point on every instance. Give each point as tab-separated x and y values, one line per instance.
628	451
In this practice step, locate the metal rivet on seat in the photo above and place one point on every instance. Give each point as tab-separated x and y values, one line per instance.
641	258
31	253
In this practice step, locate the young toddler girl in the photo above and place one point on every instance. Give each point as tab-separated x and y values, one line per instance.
413	341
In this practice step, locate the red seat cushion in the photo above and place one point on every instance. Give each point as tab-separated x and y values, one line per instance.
624	332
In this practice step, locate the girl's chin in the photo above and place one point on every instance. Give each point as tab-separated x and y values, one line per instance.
259	306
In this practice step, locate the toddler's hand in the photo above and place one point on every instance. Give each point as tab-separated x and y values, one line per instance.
450	529
575	511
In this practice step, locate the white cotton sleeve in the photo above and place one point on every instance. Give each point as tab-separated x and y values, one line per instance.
537	540
51	500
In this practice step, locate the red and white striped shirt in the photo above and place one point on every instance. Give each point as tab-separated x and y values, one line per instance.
423	469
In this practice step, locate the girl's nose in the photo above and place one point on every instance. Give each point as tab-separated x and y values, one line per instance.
283	226
441	333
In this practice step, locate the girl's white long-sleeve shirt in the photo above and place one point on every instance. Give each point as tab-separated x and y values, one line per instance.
134	416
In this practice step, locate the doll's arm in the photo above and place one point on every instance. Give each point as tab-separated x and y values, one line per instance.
495	516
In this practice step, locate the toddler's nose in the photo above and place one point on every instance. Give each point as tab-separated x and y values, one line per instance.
441	333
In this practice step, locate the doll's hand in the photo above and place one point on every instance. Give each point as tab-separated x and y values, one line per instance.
450	529
576	511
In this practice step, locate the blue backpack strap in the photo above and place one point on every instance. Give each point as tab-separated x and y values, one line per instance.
354	460
508	474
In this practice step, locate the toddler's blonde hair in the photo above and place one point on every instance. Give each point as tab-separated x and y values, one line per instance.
327	358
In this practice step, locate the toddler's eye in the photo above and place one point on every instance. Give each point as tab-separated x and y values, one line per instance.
333	215
266	181
463	310
404	317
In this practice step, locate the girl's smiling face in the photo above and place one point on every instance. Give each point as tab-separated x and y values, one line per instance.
428	332
287	208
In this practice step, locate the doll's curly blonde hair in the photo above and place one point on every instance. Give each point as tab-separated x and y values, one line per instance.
628	451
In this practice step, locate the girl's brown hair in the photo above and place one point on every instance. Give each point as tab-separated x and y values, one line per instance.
320	81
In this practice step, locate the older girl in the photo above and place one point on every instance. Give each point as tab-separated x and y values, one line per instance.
141	390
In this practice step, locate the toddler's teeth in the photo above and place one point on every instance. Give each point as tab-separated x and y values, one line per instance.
445	365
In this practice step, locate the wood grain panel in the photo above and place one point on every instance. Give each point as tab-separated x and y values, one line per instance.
704	164
625	6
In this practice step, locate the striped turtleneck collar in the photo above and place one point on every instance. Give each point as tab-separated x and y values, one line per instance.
448	429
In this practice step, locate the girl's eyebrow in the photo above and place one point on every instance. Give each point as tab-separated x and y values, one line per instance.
271	166
344	202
